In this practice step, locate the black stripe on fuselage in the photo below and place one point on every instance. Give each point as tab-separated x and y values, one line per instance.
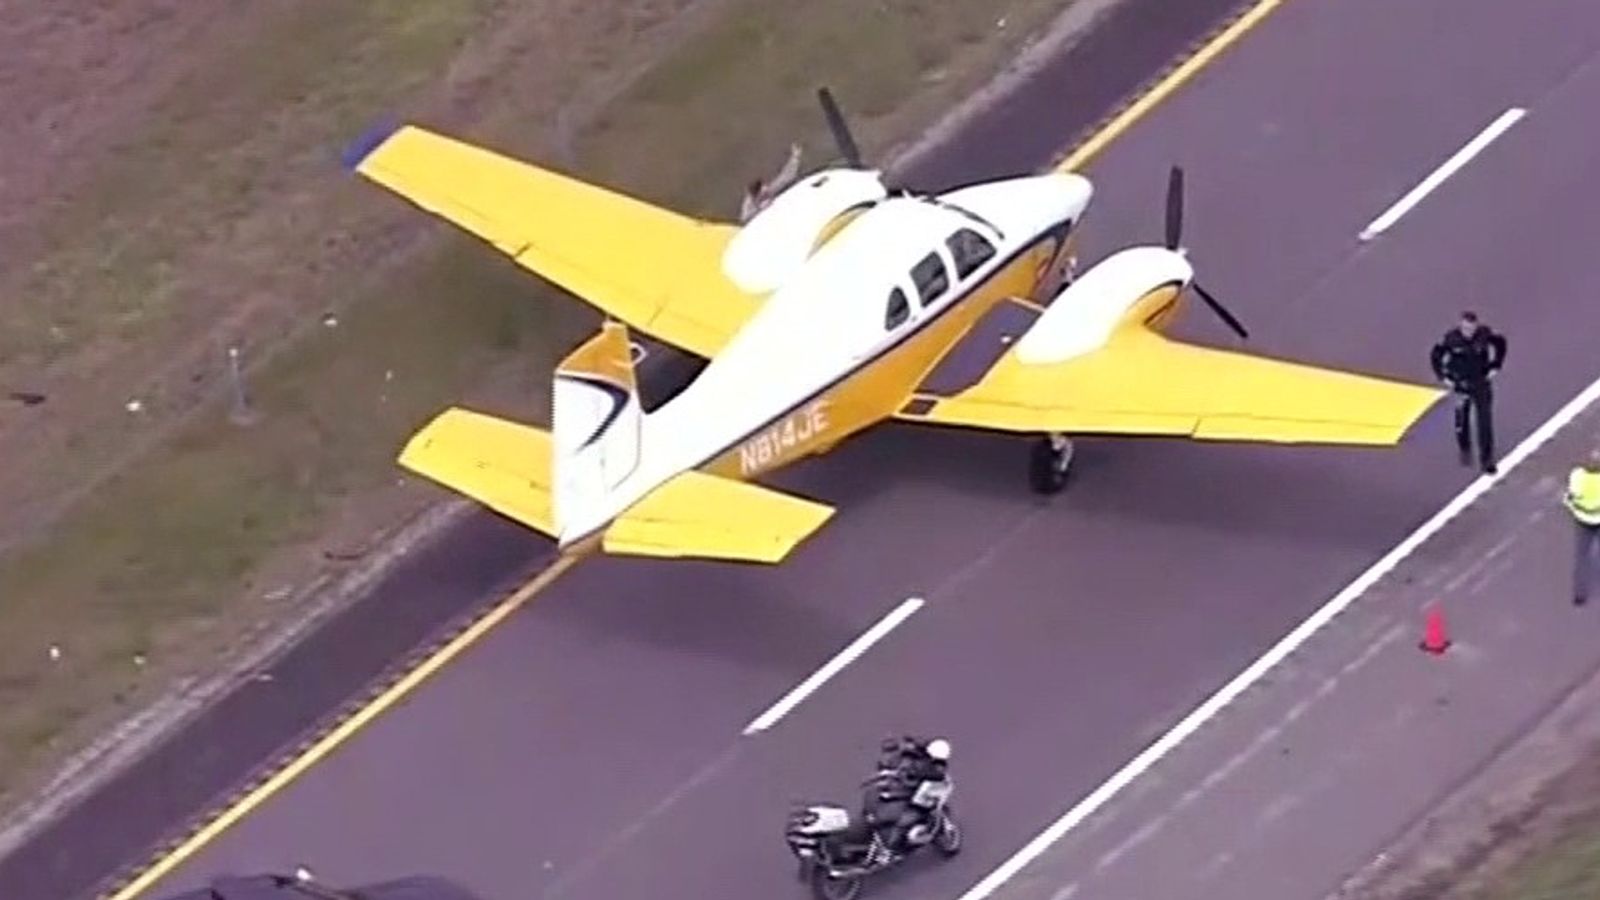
619	400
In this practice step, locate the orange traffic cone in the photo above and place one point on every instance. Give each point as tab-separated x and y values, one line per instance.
1435	638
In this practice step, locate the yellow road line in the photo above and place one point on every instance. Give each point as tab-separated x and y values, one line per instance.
1164	88
378	705
331	741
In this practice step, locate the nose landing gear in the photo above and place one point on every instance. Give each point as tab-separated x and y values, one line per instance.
1050	461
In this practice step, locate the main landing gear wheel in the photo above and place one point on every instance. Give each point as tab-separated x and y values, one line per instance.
1050	462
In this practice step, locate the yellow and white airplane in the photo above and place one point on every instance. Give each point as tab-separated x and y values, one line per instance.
820	317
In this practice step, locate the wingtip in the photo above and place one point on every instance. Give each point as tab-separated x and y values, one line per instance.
357	151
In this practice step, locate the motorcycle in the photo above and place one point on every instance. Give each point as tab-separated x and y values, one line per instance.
837	853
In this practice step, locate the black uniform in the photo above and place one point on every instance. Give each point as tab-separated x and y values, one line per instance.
1467	364
903	765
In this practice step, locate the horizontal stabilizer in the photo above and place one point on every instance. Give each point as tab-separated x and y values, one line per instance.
501	464
700	515
506	466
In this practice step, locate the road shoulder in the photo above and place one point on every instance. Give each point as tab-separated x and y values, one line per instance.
1363	767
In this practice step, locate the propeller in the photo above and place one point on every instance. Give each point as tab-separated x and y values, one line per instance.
1221	311
1174	238
1174	208
841	131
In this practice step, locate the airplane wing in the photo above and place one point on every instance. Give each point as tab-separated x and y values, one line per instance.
657	270
506	466
1143	383
700	515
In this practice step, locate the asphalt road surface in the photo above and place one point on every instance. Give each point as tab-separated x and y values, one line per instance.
1309	777
591	746
1355	739
441	587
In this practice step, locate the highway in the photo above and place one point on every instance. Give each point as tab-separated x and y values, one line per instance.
1357	735
254	735
591	746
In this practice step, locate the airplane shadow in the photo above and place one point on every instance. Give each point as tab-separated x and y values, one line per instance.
1322	495
893	454
727	611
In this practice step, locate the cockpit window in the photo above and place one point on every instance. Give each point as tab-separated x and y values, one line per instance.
930	278
899	310
969	250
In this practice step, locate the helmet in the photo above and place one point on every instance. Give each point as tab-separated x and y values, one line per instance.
939	749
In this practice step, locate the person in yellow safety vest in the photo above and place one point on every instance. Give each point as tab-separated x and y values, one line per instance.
1583	501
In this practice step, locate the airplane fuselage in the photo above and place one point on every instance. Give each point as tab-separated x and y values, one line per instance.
846	341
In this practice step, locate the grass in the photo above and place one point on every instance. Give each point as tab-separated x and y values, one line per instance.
1568	870
154	563
223	215
700	126
216	145
1544	847
152	575
1553	853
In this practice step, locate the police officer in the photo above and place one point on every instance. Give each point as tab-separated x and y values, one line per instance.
1583	501
1466	360
903	765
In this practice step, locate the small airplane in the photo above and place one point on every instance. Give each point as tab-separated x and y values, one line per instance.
820	316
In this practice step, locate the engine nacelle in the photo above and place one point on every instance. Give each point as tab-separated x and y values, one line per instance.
776	243
1139	284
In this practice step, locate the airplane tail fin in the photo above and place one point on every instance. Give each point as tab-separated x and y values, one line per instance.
596	419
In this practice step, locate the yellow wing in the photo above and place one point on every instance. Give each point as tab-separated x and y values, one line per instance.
507	467
1143	383
700	515
655	269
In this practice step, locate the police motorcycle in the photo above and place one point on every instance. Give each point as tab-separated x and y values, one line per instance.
837	852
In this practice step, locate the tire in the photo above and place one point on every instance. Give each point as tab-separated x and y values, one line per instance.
948	840
827	888
1043	475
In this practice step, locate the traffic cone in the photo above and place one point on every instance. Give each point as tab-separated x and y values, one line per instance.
1435	638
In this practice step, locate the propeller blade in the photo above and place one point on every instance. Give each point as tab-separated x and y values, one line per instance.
1174	208
1221	311
841	131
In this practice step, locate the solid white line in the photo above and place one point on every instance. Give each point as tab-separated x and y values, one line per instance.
1451	165
1241	682
846	656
